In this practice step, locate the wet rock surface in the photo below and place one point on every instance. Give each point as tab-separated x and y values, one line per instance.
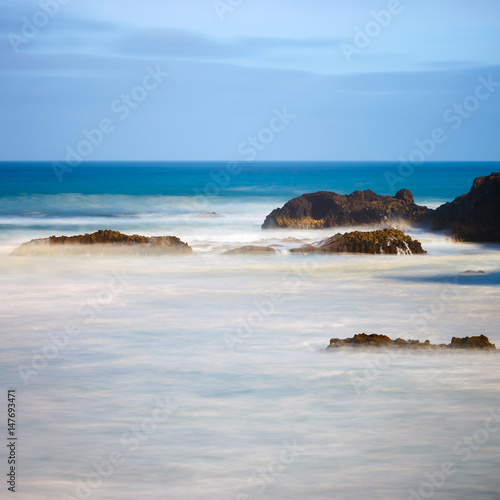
384	241
362	340
250	249
102	241
474	216
327	209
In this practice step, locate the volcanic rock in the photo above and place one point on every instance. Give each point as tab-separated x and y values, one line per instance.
382	341
103	241
327	209
474	216
384	241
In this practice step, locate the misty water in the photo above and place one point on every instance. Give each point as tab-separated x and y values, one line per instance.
206	376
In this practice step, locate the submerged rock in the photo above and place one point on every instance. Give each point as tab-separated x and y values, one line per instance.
250	249
384	241
103	241
209	214
474	216
382	341
327	209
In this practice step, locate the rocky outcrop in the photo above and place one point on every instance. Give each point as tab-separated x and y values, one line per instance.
327	209
479	342
384	241
474	216
104	241
382	341
209	215
250	249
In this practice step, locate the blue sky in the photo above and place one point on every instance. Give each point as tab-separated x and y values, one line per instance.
370	81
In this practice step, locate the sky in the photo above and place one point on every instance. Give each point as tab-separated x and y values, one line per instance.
250	80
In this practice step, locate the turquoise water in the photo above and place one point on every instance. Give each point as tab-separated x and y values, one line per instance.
205	376
156	198
431	180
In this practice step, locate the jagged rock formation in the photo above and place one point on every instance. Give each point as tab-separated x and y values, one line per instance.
250	249
474	216
327	209
382	341
385	241
104	241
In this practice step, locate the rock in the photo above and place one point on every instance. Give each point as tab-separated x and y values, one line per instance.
474	216
382	341
209	214
306	249
103	241
250	249
327	209
384	241
480	342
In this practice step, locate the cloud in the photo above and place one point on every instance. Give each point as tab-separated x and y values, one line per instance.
225	79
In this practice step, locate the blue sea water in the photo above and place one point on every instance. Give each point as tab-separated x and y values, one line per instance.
205	376
38	199
428	181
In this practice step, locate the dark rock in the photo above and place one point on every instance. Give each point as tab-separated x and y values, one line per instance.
327	209
250	249
102	241
209	214
480	342
382	341
474	216
384	241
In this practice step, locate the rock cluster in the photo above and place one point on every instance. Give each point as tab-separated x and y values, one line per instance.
101	241
382	341
474	216
326	209
385	241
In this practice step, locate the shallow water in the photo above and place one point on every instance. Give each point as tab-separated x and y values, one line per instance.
237	344
205	376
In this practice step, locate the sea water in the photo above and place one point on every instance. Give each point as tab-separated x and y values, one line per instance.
206	376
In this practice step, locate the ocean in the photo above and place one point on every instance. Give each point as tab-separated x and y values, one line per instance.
205	376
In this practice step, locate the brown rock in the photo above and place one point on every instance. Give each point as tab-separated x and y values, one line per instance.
250	249
479	342
384	241
327	209
103	241
382	341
